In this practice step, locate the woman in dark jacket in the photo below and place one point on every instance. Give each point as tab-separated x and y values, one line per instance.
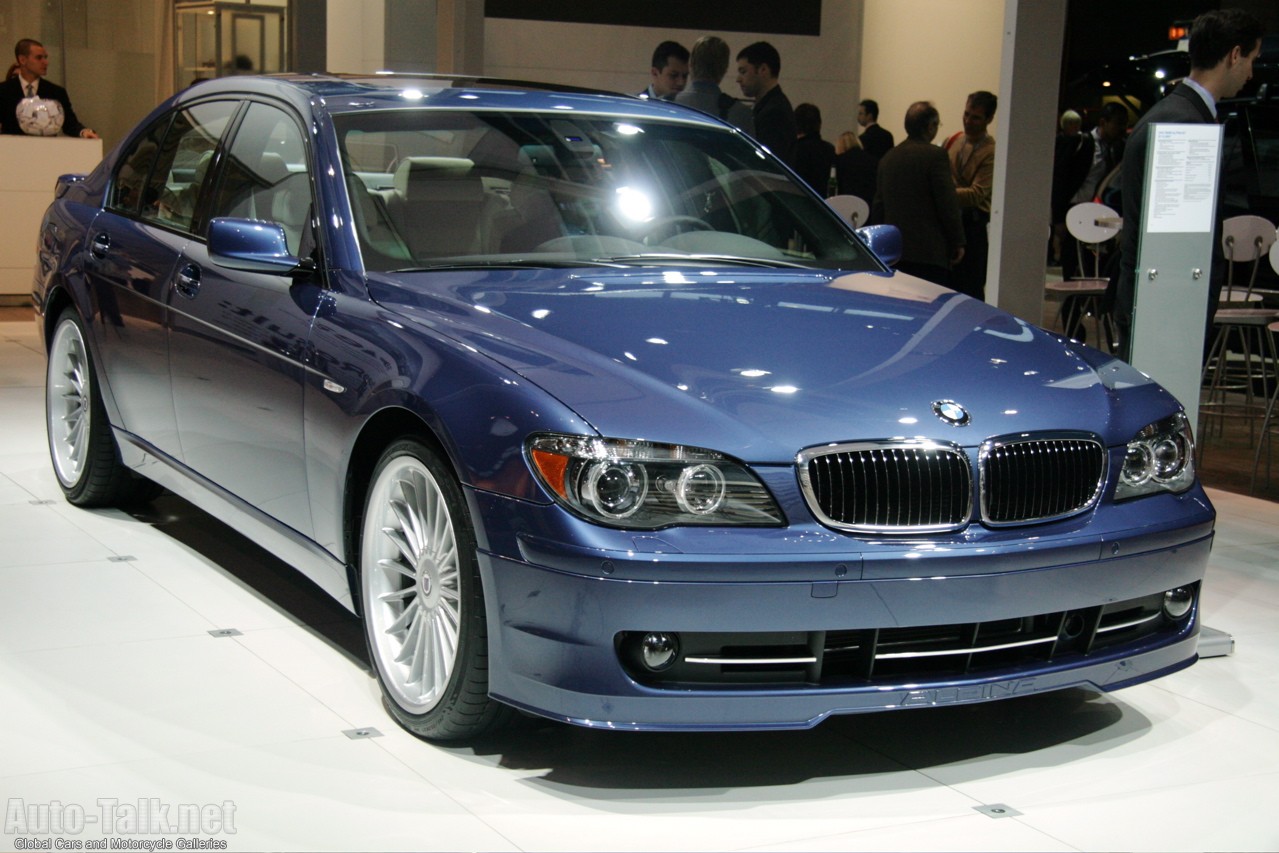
814	156
854	167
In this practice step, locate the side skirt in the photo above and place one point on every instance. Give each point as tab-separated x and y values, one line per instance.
305	555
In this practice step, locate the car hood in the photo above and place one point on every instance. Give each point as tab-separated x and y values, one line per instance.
763	363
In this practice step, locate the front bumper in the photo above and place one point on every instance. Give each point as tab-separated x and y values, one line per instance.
557	633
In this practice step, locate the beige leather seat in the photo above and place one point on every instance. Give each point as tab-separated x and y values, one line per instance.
437	205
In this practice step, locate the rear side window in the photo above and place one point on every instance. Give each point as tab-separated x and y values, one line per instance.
128	188
161	177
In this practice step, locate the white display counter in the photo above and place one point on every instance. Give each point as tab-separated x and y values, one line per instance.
29	169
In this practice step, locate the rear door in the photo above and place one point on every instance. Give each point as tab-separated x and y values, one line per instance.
134	247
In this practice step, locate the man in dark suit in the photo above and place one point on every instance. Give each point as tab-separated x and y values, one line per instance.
1223	45
1084	171
33	64
915	192
669	72
874	138
758	67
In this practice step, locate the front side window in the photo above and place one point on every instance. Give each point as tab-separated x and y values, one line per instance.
265	174
433	189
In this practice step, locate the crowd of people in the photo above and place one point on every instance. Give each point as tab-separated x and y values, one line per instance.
939	195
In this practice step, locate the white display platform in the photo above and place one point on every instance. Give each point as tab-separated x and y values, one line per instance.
29	169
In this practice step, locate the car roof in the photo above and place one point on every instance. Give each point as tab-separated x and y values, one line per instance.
347	93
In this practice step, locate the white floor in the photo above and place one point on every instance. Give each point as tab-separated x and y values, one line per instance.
113	691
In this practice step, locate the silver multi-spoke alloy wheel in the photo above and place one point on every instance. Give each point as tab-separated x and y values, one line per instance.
68	396
411	568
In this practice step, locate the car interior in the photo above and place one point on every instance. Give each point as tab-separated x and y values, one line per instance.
426	193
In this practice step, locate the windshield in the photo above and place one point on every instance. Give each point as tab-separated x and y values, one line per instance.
434	189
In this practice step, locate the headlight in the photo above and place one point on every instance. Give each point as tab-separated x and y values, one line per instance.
1161	458
639	484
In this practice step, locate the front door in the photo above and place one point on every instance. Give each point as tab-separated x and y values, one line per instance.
239	338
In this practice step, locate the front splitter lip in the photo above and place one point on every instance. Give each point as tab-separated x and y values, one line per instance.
786	712
552	647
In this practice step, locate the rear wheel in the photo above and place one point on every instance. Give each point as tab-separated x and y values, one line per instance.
422	598
81	446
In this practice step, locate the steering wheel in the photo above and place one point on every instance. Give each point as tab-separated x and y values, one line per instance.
656	230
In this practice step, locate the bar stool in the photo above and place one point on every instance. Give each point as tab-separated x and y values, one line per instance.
1245	239
1269	424
1091	224
851	207
1243	355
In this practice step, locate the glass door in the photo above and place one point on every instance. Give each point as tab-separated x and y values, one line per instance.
219	39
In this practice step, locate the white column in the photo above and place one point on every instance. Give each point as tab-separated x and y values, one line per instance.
1030	72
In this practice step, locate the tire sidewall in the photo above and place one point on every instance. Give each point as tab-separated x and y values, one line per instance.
95	413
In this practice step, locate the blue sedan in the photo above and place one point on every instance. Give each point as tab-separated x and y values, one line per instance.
590	409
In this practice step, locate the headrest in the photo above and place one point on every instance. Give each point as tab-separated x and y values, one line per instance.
415	170
271	168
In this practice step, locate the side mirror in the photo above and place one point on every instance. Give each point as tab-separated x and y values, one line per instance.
252	245
884	240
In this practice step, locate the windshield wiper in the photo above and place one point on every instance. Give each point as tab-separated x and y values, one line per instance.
769	263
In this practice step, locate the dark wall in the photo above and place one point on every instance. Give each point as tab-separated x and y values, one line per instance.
1099	32
793	17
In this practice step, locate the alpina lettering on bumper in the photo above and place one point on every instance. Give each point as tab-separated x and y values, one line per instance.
972	693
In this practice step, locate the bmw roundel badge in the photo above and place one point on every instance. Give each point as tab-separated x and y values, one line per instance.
951	412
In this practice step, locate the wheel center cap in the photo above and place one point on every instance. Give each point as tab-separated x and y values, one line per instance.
425	576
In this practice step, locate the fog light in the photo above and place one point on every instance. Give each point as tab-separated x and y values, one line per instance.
1177	602
658	651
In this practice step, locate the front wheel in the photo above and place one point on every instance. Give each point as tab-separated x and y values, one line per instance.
422	598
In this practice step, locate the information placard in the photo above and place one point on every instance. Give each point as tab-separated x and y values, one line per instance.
1183	178
1174	257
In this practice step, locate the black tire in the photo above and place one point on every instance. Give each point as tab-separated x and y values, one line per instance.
82	448
422	598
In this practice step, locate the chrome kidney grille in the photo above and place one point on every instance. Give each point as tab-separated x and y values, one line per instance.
917	486
1040	479
899	487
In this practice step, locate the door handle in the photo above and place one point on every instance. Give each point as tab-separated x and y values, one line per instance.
187	281
101	245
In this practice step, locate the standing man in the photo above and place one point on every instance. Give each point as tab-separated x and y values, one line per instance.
1102	149
1223	45
669	72
915	193
29	82
972	166
758	67
874	138
707	65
